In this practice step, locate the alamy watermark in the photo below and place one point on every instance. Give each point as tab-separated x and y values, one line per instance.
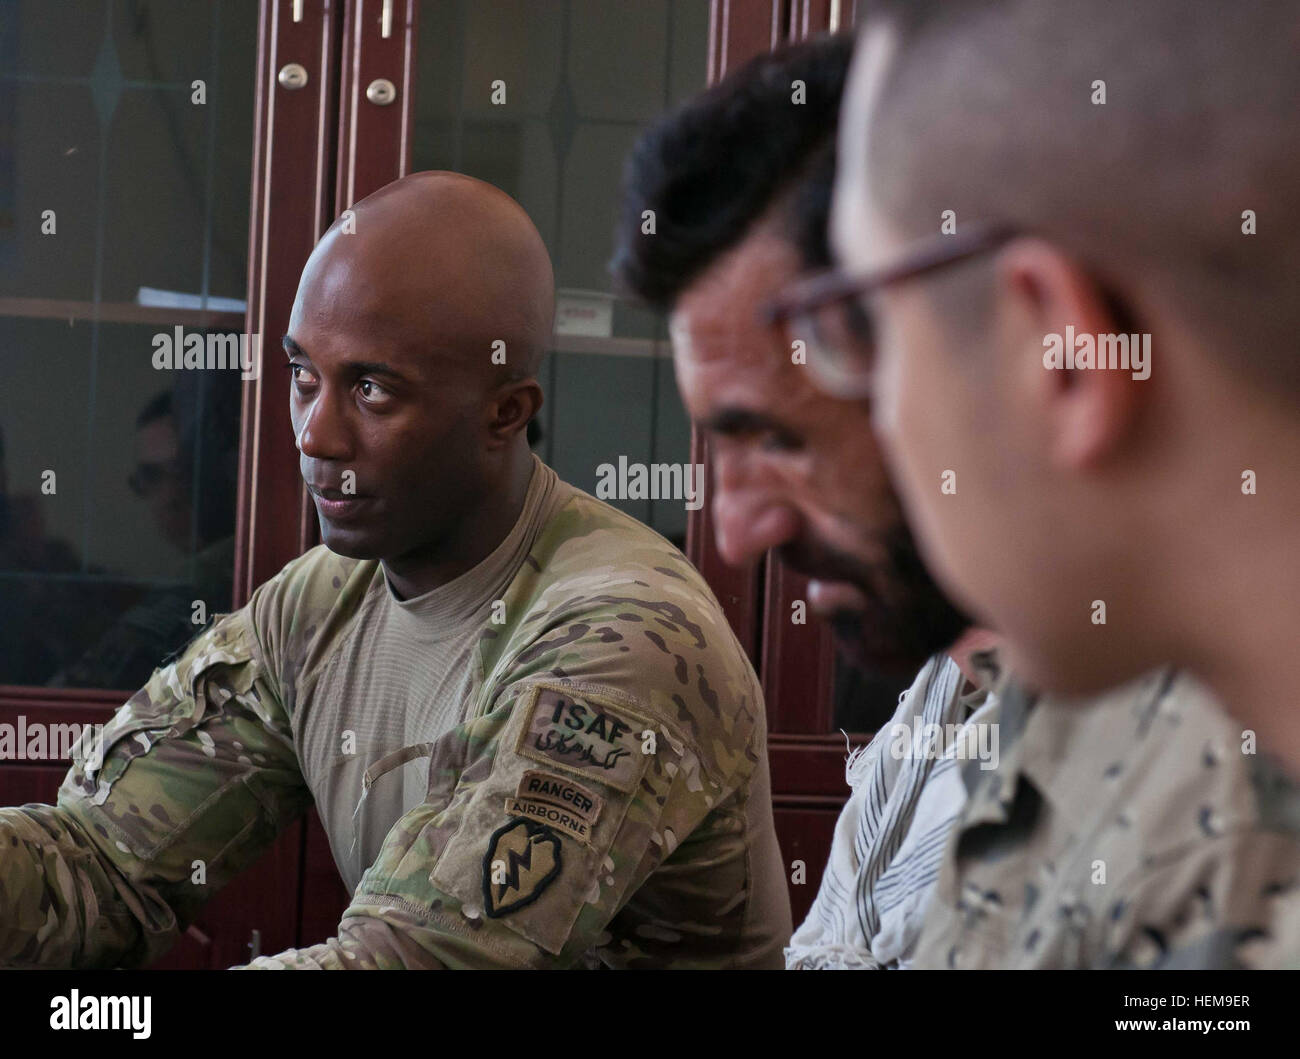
927	741
77	1012
39	741
1071	352
207	351
655	481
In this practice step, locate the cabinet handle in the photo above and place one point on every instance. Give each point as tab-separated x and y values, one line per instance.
381	92
292	76
255	945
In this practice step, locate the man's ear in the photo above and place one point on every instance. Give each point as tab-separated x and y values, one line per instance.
1054	307
514	404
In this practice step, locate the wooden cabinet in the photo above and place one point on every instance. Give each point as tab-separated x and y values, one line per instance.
311	106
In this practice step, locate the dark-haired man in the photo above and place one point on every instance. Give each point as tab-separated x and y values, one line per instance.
531	736
740	180
1084	794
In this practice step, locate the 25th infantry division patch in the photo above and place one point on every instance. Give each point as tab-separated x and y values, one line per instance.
522	860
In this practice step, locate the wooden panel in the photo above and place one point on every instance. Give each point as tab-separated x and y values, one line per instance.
805	835
324	897
22	784
59	705
741	29
293	198
810	767
798	669
374	140
811	17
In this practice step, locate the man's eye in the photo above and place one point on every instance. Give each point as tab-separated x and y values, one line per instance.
300	374
373	392
858	323
776	441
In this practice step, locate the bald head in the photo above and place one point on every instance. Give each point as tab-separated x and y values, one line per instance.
450	260
413	344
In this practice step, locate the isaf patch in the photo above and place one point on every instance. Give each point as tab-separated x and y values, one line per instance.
588	735
522	860
558	802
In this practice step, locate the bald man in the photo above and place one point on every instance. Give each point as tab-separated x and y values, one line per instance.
530	734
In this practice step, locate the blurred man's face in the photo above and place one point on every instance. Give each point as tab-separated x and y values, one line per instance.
161	480
798	471
974	407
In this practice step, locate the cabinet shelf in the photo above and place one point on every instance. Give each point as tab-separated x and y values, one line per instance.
118	313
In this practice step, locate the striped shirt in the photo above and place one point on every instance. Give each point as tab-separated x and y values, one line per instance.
890	838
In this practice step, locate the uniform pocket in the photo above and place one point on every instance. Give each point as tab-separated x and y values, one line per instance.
542	836
175	700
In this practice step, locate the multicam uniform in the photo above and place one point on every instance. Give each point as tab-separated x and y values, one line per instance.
1134	829
602	796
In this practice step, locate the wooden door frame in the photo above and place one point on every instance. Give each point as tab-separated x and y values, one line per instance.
295	134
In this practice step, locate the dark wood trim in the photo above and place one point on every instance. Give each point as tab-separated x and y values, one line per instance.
374	140
809	766
828	802
293	196
56	698
741	29
798	669
811	17
47	709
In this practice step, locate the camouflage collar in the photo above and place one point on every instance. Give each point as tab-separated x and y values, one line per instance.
991	793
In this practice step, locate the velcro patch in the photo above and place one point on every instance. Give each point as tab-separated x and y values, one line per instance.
522	860
564	805
552	815
545	787
588	735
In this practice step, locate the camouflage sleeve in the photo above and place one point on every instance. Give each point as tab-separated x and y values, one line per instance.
193	778
592	812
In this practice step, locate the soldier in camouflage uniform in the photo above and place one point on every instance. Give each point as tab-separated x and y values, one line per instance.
1134	829
596	793
1108	519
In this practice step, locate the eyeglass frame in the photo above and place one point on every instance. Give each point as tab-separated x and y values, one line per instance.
832	286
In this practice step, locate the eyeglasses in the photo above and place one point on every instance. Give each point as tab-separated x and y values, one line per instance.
829	314
146	478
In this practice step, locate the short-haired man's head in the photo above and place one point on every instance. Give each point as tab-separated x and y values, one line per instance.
1155	142
705	173
739	184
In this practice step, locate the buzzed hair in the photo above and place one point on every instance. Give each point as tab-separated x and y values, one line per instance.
992	108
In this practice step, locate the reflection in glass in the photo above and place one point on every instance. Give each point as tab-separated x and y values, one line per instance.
544	101
126	132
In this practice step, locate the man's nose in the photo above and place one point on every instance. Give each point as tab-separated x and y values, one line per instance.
322	432
746	523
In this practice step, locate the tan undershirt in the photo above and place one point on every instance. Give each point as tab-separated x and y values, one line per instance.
401	681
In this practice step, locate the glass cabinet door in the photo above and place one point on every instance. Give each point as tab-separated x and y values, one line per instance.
126	136
544	100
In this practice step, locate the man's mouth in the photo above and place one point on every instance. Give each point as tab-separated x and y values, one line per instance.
887	615
338	506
